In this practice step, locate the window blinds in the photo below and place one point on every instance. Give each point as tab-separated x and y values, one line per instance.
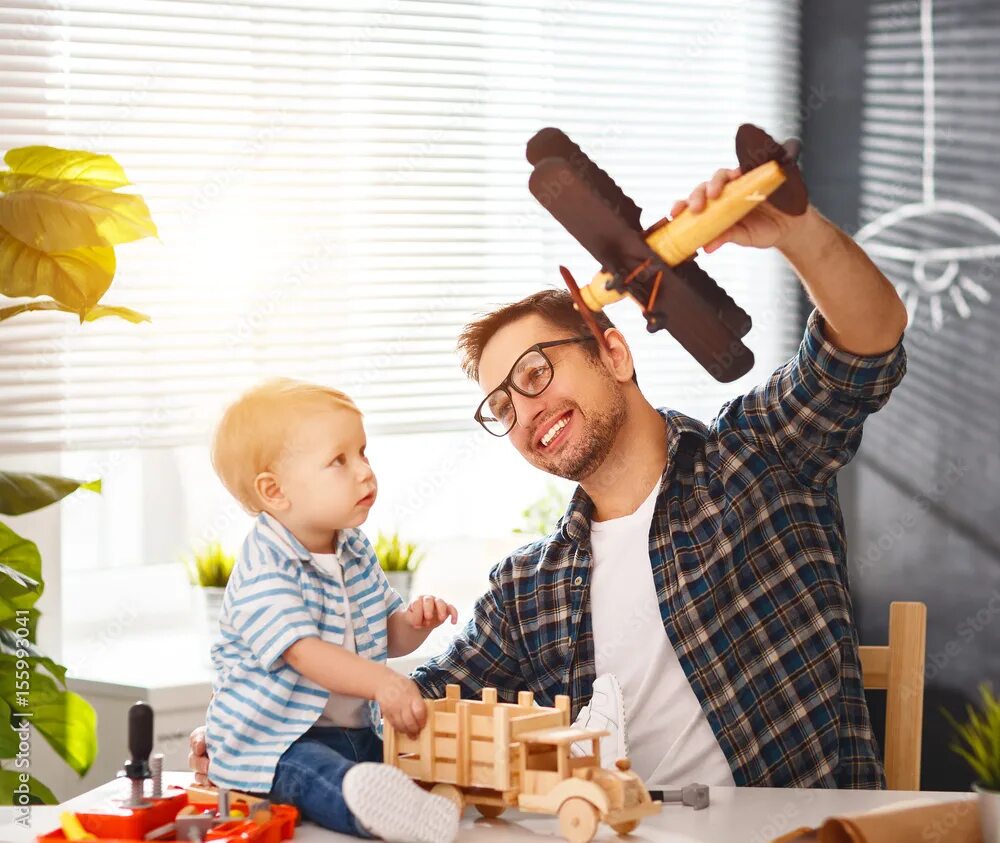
340	186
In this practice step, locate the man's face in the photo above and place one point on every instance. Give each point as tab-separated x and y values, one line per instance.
583	406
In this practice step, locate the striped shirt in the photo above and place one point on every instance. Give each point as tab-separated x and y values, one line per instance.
276	596
749	562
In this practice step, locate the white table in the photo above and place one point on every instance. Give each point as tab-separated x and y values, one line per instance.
736	815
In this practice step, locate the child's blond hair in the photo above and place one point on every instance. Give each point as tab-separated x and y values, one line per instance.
254	430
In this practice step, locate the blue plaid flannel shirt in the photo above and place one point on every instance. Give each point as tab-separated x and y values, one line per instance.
748	555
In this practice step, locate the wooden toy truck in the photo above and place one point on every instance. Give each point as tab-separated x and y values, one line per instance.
496	755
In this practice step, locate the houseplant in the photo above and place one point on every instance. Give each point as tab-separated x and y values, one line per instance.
60	219
399	561
541	517
208	571
33	689
979	744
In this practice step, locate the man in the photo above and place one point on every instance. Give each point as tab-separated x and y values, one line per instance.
703	567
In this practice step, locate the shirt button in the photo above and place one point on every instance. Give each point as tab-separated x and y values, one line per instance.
578	581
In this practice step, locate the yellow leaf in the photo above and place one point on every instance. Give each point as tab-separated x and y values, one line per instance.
67	165
91	315
77	278
102	310
56	216
26	307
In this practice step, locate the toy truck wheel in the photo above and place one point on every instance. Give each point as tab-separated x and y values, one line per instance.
491	812
626	827
452	793
578	820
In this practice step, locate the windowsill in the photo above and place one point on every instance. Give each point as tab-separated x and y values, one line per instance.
141	632
155	667
139	629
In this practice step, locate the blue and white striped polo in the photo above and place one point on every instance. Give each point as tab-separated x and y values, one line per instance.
275	596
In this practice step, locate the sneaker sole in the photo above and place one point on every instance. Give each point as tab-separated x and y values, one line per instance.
622	731
386	802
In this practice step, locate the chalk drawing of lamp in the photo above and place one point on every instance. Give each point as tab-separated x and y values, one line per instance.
937	269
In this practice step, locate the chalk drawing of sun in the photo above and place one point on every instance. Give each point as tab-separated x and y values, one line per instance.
937	274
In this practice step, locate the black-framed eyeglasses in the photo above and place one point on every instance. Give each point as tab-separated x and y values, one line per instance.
530	375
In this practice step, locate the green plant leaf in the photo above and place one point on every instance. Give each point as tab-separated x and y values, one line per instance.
22	492
62	717
32	622
542	516
21	555
67	164
979	738
18	590
57	216
77	278
393	556
69	724
210	567
8	737
978	766
20	581
10	644
39	793
97	312
66	720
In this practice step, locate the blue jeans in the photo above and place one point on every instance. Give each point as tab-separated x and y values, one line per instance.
310	774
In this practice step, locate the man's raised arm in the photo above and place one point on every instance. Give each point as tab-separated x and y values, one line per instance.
810	411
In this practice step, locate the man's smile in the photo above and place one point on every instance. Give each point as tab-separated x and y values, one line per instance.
553	432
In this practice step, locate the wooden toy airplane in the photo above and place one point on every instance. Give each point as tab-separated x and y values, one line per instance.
655	266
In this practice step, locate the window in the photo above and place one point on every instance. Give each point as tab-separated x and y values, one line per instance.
338	187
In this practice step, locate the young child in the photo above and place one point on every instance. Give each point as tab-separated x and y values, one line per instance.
308	620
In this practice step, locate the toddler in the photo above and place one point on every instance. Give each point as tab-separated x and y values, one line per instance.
307	623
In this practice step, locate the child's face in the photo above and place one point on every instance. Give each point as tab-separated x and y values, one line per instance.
324	473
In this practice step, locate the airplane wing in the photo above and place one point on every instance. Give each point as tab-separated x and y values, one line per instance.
684	299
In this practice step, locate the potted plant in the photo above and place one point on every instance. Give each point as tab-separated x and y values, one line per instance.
979	745
540	518
399	561
208	571
60	220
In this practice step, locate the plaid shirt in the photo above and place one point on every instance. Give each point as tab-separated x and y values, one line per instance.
748	556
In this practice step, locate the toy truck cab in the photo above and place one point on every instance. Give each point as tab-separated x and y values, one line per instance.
576	787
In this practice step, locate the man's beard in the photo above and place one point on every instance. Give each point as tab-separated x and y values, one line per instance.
593	442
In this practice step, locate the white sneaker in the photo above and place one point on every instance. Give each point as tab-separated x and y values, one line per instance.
388	804
606	710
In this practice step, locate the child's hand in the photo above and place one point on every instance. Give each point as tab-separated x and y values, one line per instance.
428	612
402	706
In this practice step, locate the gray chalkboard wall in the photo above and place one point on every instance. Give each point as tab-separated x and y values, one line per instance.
903	150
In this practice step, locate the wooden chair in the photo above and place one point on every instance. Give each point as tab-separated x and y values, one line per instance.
898	669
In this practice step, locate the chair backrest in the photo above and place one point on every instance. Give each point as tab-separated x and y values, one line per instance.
898	669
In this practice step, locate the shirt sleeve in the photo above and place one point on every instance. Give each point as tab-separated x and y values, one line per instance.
268	611
811	410
482	655
390	597
393	602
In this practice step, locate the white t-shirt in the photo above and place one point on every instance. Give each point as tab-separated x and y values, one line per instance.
340	710
670	740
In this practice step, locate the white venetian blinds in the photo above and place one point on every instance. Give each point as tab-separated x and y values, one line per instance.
340	185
